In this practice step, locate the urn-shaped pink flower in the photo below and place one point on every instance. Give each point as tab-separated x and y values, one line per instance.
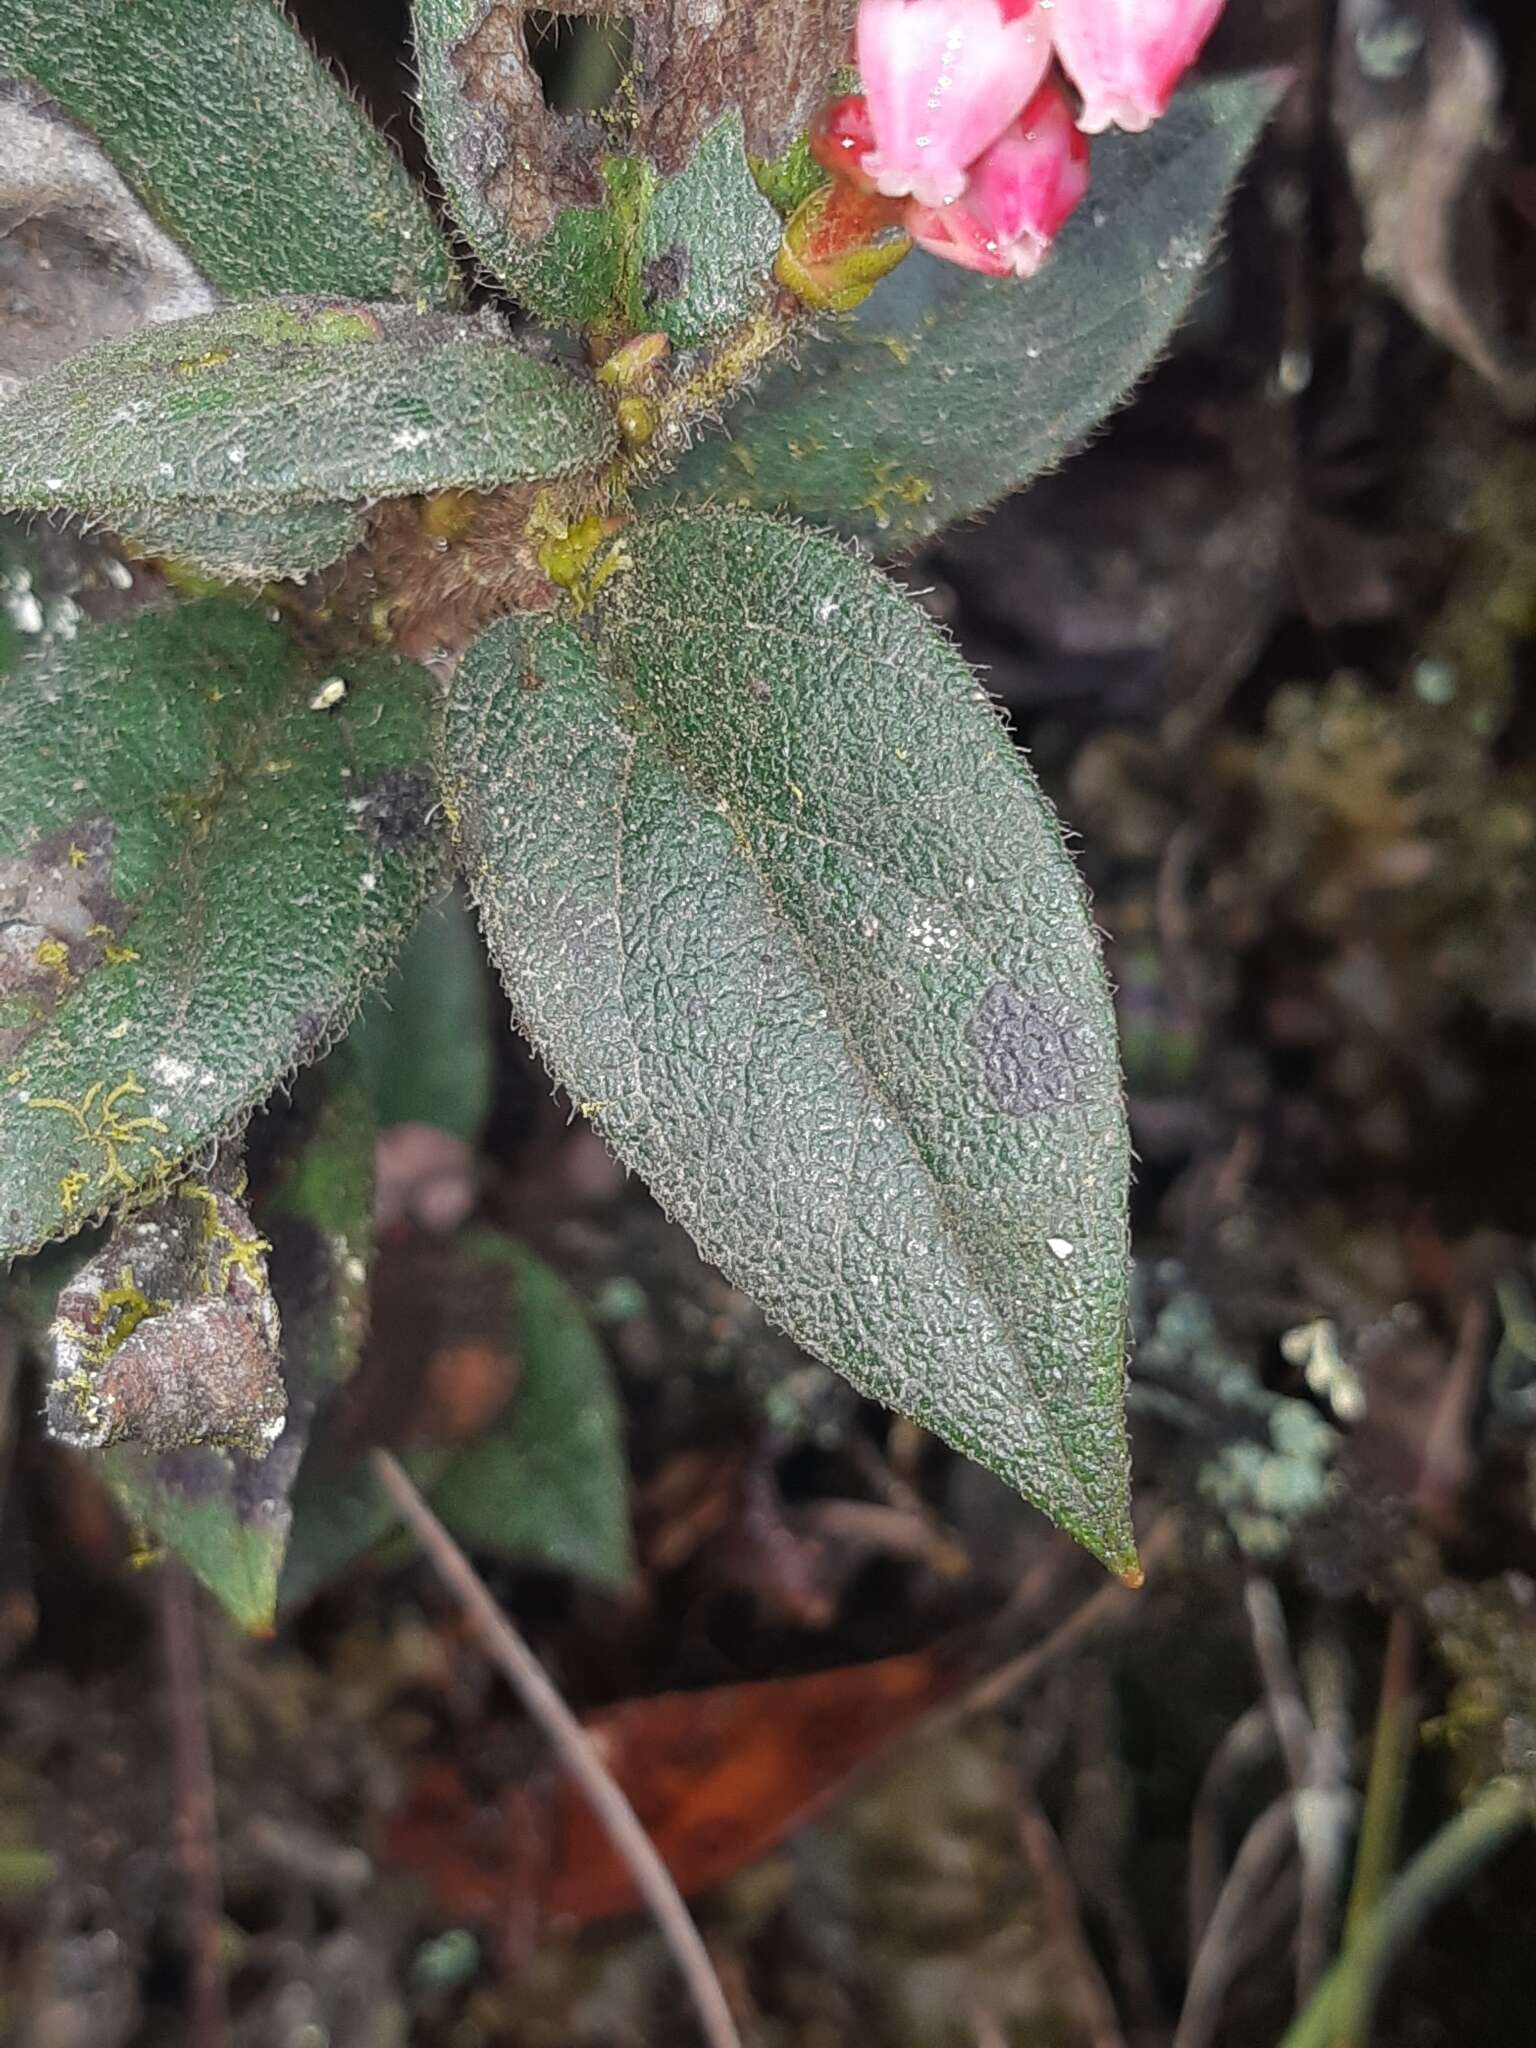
1126	56
943	79
1021	190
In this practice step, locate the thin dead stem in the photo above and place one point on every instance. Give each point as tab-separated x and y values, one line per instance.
1251	1879
195	1827
1058	1896
1249	1741
1113	1601
1316	1770
528	1679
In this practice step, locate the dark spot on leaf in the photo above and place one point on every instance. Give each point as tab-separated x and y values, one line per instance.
310	1030
395	809
1034	1052
530	679
666	277
758	688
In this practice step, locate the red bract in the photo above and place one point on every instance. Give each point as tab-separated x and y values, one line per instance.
943	79
1021	190
838	245
1126	56
842	135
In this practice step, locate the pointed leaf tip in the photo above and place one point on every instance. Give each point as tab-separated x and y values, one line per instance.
783	906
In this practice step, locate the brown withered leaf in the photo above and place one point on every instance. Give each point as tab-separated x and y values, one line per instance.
692	61
1417	92
168	1338
81	260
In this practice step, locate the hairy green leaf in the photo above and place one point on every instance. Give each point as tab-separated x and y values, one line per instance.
303	399
705	244
545	1481
950	390
782	905
424	1041
238	140
248	544
550	1483
689	256
208	846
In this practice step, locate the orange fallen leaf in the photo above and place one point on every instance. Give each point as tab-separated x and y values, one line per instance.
717	1778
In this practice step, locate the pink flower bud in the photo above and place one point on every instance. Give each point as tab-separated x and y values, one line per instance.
943	79
1126	56
1021	190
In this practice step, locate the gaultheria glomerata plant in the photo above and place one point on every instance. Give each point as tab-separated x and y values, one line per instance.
541	542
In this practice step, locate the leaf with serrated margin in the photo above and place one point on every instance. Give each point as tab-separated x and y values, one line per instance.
240	142
948	390
307	400
782	905
209	846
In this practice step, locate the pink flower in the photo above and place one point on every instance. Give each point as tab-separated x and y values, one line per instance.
1020	192
943	79
1126	56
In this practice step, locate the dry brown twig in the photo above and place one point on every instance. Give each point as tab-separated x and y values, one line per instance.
1058	1897
528	1679
1249	1882
195	1829
1250	1740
